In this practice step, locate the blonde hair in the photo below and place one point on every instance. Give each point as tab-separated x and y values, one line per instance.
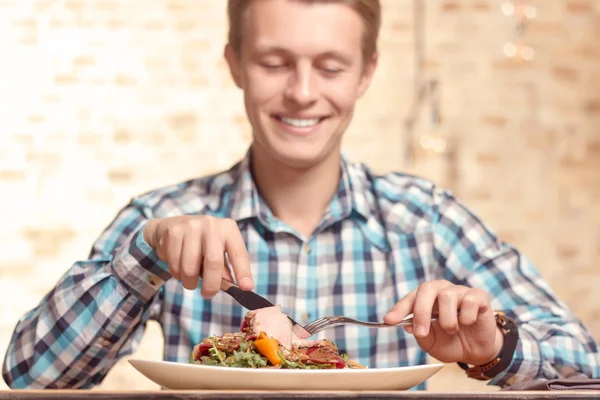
369	11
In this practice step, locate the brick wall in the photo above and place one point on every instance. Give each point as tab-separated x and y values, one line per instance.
102	100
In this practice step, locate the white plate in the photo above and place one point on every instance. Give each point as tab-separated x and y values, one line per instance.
182	376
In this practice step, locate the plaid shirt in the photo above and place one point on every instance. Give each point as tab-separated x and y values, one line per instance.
380	237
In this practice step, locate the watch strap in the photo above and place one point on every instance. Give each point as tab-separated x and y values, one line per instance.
503	359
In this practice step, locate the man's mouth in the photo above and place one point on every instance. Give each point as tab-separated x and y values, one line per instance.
300	122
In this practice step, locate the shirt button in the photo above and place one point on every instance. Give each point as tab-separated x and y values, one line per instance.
153	280
306	248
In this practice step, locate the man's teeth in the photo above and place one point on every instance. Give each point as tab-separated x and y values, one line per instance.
300	123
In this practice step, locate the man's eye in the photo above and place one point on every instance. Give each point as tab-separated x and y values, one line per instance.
273	65
331	70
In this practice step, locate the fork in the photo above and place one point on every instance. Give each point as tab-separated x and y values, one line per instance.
329	322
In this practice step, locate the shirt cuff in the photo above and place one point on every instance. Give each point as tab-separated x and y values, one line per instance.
526	362
138	268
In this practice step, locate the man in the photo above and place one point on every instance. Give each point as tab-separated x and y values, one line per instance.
307	229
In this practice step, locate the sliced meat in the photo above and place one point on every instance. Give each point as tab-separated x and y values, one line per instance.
325	355
200	350
273	322
230	342
226	343
306	343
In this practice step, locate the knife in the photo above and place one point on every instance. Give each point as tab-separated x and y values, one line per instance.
253	301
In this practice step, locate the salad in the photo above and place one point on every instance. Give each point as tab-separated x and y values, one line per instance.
266	340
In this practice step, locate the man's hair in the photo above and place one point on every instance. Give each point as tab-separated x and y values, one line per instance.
369	11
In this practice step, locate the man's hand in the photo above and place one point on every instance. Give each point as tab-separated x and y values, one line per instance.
466	330
191	245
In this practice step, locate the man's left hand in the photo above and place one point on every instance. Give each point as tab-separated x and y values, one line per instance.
466	330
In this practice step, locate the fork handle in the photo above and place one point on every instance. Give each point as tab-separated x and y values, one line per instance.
409	321
404	322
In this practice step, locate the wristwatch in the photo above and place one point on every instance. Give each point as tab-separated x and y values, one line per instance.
502	360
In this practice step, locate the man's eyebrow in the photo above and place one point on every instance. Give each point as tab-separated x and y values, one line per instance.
263	49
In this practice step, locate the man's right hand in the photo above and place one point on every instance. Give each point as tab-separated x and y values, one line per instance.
192	245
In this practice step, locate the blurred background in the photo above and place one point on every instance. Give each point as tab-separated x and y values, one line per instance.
102	100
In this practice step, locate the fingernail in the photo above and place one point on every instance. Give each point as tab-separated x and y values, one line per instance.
247	283
420	330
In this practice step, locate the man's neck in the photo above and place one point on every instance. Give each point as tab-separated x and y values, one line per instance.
298	197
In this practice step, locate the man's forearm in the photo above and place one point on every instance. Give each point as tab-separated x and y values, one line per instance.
550	337
86	323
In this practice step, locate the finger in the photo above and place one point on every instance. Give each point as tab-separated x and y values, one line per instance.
401	309
472	303
213	264
160	243
448	302
191	258
238	255
426	297
172	246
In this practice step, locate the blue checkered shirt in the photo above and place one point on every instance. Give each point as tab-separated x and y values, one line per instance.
380	237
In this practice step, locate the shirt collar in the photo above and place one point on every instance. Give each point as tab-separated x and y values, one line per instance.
354	198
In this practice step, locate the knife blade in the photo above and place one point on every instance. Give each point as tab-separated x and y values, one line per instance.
254	301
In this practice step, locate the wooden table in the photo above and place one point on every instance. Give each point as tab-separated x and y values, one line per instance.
267	395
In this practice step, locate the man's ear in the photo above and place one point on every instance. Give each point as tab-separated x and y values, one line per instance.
233	61
367	74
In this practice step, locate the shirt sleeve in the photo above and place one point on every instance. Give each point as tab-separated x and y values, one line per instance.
552	341
95	314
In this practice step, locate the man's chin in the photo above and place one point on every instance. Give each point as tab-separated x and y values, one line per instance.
294	154
302	160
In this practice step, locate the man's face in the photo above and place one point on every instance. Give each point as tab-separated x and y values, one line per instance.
301	69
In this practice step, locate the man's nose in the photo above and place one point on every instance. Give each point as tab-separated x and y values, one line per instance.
301	87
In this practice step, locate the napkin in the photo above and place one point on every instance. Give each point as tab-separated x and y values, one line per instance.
573	382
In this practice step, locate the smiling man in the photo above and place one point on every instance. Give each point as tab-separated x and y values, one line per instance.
306	228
